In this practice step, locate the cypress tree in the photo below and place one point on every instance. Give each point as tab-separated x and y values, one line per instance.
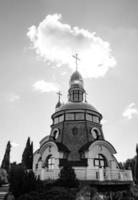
27	157
6	159
136	165
67	177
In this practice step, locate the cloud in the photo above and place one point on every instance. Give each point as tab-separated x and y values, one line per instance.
14	144
130	111
55	43
44	86
14	98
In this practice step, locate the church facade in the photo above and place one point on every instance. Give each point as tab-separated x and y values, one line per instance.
77	139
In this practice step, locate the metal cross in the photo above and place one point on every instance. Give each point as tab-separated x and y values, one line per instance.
76	57
59	95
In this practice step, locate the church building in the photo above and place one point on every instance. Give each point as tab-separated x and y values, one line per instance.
77	139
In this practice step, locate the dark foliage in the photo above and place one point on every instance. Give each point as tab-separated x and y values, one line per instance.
55	193
9	196
121	165
27	157
1	182
131	164
22	181
16	176
86	192
6	159
67	177
30	196
136	165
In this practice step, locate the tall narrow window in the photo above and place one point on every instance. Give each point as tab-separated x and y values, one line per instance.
50	162
76	95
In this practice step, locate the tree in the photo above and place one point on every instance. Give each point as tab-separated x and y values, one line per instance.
136	165
130	164
67	177
22	181
27	157
6	159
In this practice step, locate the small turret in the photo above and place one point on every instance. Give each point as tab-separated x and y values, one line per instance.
76	91
59	102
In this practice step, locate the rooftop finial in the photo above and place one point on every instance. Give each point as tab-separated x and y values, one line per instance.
58	103
59	95
76	58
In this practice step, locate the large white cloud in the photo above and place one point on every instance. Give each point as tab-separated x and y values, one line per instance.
55	42
130	111
44	86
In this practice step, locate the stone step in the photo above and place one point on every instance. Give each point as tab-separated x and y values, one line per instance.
3	191
2	195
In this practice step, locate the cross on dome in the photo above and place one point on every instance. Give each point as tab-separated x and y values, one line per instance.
76	58
59	95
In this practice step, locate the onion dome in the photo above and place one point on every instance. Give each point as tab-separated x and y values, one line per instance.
76	80
76	91
58	104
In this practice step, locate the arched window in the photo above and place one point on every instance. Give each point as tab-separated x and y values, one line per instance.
50	162
100	161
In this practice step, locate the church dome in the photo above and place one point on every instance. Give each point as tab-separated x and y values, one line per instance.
77	106
76	80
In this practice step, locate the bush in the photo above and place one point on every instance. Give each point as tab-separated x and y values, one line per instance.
55	193
67	177
9	196
30	196
22	181
86	192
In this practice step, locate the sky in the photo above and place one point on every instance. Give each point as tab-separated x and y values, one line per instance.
37	41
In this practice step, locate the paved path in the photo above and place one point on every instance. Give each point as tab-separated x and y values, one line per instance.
3	190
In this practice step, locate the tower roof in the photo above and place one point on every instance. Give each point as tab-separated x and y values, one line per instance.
76	80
